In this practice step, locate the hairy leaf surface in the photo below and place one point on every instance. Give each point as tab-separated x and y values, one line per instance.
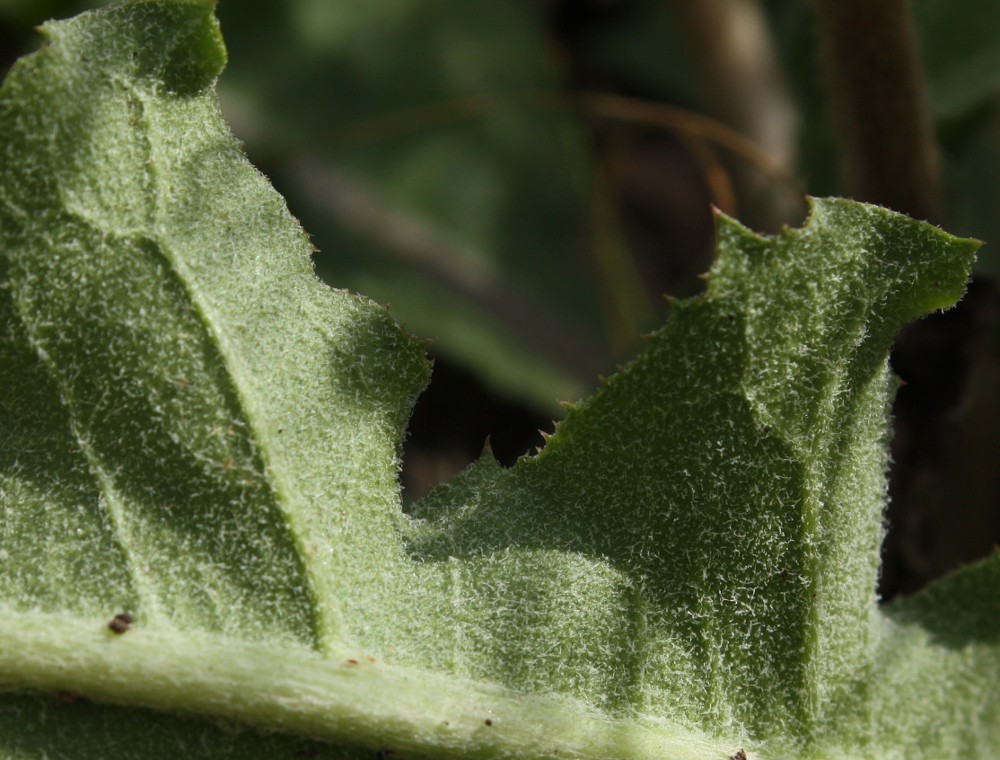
199	434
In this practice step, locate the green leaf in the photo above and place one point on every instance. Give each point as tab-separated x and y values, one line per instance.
732	478
186	361
197	433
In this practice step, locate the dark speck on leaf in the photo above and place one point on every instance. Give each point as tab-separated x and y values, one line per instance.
741	755
120	623
488	722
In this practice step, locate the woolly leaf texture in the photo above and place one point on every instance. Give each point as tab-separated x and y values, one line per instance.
202	550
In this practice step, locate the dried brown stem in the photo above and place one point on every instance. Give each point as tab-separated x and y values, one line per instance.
733	45
691	126
880	104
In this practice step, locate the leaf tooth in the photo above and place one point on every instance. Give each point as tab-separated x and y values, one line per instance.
570	408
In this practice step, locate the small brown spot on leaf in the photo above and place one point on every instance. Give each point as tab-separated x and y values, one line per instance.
741	755
488	722
120	623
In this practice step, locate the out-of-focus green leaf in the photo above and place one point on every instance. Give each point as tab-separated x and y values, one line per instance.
960	47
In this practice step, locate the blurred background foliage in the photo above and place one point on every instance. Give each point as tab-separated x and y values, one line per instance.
524	181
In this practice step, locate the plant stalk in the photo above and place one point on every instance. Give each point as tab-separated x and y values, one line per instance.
880	104
349	699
